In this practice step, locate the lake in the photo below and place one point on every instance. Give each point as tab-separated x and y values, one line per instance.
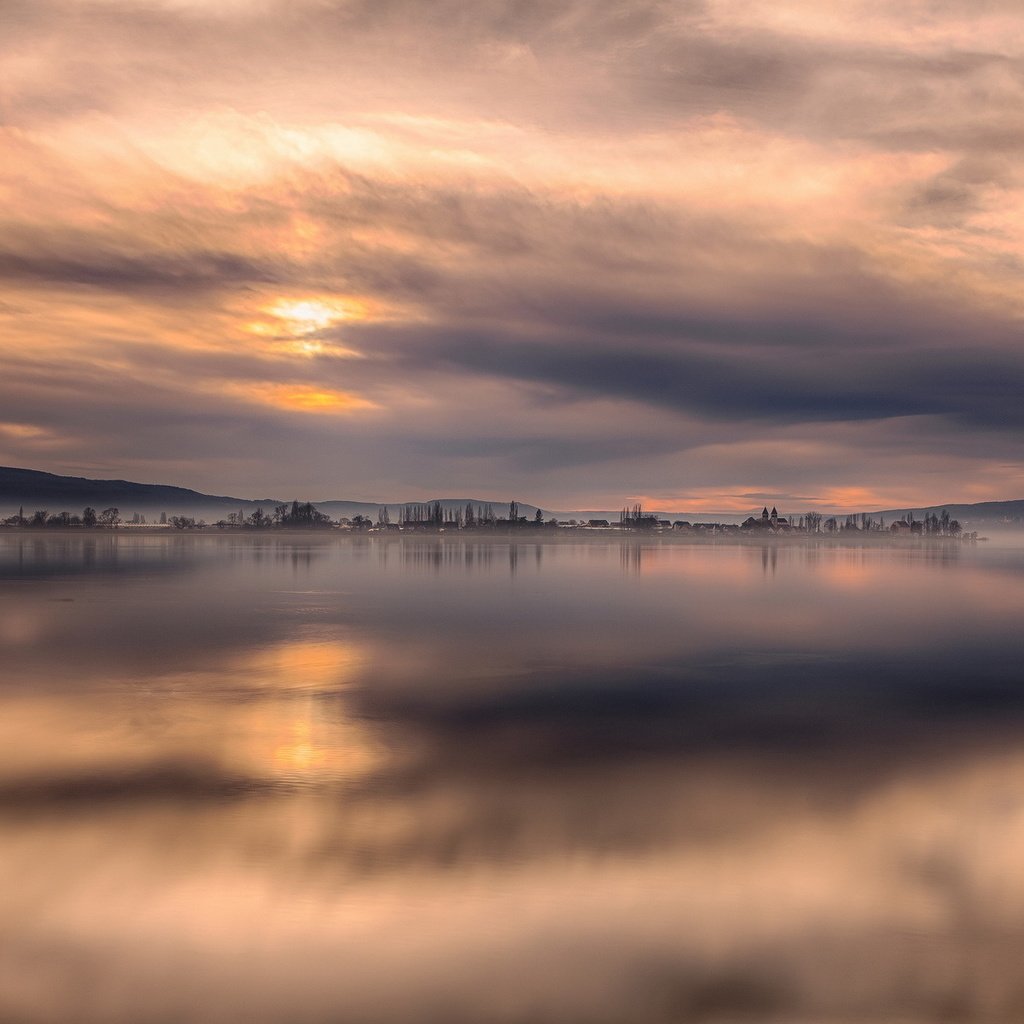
303	778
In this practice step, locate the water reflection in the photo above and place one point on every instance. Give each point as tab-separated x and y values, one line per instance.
429	779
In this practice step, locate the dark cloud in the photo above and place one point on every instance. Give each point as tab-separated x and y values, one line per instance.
528	452
170	272
831	380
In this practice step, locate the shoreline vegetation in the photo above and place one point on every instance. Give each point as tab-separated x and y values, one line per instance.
481	520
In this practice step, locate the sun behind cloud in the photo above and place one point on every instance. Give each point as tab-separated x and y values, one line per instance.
305	316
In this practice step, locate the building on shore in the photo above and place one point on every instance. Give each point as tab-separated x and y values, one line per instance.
771	522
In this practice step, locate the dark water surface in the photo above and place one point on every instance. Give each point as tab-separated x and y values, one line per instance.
415	780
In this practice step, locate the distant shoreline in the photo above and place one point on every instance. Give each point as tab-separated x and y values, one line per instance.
563	535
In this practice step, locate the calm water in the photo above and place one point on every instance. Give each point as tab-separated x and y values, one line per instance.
335	780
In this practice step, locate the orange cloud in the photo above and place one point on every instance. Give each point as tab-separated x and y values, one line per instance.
301	397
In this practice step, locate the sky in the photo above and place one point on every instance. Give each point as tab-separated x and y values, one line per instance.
701	254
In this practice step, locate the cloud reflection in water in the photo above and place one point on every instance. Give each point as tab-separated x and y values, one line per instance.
418	781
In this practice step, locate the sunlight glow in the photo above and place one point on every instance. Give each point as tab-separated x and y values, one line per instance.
302	397
28	431
305	316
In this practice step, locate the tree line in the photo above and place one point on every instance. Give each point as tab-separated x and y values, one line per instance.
42	518
436	516
296	515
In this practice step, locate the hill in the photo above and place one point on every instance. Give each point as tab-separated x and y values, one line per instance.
33	489
986	514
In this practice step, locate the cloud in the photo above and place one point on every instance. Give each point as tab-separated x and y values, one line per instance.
162	272
544	220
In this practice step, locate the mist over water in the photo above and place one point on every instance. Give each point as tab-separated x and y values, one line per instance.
312	779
